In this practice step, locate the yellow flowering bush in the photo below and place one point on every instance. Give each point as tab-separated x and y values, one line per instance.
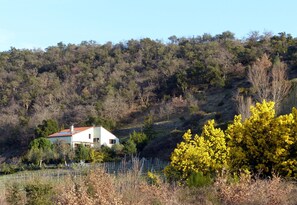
153	178
264	142
206	153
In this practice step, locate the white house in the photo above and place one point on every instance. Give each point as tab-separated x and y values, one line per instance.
88	136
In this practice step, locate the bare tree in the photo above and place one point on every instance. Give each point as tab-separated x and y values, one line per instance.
280	86
269	84
114	107
244	104
258	76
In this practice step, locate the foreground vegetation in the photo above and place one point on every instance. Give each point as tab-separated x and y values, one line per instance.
251	162
134	187
263	143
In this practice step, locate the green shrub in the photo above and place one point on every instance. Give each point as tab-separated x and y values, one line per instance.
107	154
96	156
82	153
99	121
148	127
194	109
39	193
46	128
199	180
130	148
14	194
140	139
7	168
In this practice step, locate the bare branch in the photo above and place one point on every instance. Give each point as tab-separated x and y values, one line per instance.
269	84
259	78
244	104
280	86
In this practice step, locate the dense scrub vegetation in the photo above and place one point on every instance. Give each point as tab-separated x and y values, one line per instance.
134	187
111	84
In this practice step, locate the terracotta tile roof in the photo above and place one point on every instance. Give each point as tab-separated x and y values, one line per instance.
67	133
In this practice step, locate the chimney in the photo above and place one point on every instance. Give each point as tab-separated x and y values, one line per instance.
72	129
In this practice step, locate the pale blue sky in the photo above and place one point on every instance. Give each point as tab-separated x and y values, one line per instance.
43	23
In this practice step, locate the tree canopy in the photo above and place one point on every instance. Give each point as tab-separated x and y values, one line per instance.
46	128
93	83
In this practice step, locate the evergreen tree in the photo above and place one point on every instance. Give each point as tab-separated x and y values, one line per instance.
46	128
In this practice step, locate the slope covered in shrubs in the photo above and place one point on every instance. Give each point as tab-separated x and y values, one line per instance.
119	84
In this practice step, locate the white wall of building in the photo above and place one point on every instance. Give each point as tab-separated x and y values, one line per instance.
105	136
84	137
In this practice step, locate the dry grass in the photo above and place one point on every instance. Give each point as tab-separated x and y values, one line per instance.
133	188
95	188
198	196
250	191
98	187
3	198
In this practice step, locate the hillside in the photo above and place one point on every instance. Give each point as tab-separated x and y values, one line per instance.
181	84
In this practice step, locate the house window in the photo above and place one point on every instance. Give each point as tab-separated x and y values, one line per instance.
112	141
96	140
89	136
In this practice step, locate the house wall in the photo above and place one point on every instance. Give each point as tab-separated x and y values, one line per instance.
97	136
83	137
105	136
66	139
